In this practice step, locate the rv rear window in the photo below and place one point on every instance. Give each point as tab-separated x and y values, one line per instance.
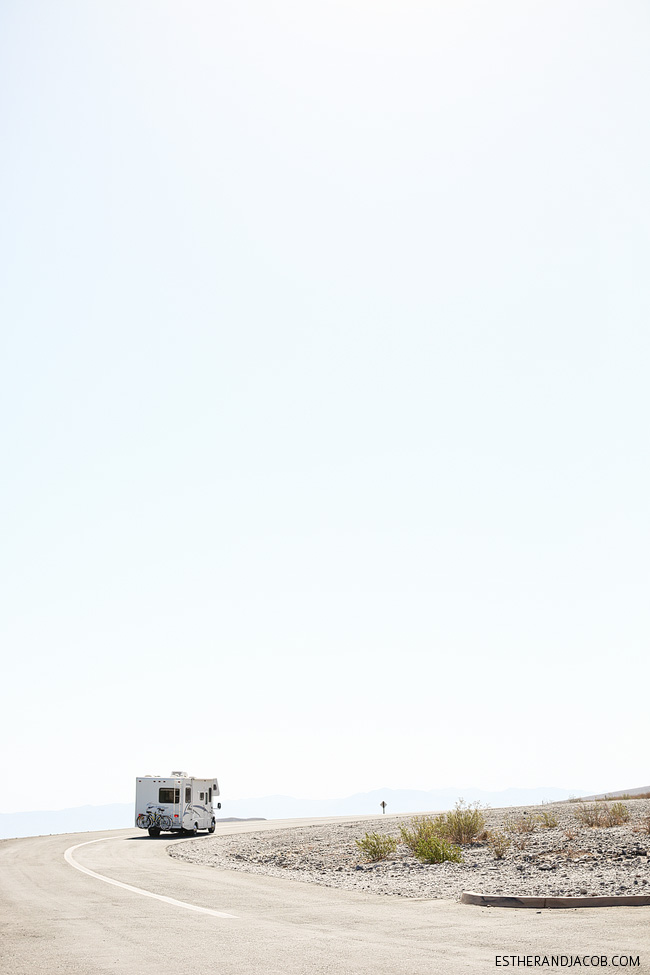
169	795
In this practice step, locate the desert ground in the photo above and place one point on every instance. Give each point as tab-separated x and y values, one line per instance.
546	850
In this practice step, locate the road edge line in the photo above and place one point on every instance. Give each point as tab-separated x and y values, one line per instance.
136	890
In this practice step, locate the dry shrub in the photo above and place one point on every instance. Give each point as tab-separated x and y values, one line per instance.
616	814
547	820
420	826
424	839
499	842
590	814
524	824
433	849
603	814
377	846
464	823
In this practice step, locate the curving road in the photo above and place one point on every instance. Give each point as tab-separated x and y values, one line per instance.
54	918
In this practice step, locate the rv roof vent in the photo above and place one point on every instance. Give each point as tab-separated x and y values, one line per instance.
180	775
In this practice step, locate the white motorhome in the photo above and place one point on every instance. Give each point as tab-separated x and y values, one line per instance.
178	803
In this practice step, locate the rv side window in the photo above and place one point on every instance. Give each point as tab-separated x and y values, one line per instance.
209	795
169	795
201	796
188	794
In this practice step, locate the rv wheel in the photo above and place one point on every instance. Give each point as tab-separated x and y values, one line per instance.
195	830
154	831
211	828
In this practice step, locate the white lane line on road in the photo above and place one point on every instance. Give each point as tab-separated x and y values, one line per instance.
136	890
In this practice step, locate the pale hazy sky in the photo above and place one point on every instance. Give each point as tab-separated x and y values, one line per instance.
324	378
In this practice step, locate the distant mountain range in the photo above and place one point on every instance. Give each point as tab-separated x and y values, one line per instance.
397	801
119	815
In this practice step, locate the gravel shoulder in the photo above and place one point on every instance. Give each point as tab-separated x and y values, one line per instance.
567	859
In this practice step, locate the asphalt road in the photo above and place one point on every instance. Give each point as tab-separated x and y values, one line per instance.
54	918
